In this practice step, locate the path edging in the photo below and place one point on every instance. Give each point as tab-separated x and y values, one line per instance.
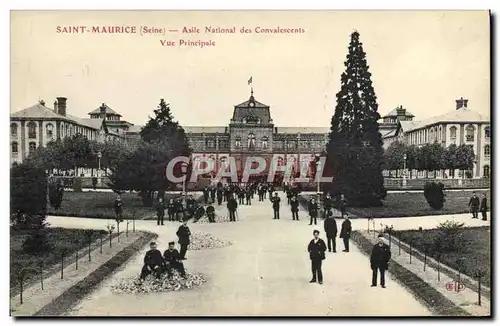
424	293
75	293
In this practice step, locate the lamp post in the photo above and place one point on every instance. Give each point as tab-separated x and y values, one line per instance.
99	155
404	170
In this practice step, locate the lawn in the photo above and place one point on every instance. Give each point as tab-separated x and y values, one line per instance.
414	204
476	252
59	239
101	205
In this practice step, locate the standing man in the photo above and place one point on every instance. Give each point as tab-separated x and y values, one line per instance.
474	205
183	233
313	211
294	204
248	195
205	194
345	232
119	208
173	260
171	209
343	205
331	232
153	262
276	205
232	205
219	195
327	204
316	249
484	207
379	260
160	211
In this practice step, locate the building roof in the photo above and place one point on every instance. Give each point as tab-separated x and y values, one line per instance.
109	111
37	111
394	113
202	129
462	115
252	109
409	125
91	123
390	133
303	130
134	129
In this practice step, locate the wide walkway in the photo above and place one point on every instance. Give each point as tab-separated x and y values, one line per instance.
265	272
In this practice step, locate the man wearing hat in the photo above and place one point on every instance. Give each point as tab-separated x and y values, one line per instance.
210	211
316	249
276	205
345	232
173	260
183	233
153	262
379	260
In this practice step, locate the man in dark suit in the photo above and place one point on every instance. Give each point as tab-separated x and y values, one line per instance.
331	231
276	205
183	233
206	194
345	232
342	205
294	204
484	207
173	260
316	249
379	260
171	207
474	205
119	208
160	211
327	204
232	205
210	212
153	262
313	211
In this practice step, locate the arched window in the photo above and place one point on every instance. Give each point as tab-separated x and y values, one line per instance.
14	148
13	129
31	129
50	130
469	133
486	171
487	150
66	131
265	142
453	132
251	140
237	142
487	132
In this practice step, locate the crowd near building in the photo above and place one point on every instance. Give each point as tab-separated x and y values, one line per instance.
251	132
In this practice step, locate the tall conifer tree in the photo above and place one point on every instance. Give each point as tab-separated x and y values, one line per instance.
355	152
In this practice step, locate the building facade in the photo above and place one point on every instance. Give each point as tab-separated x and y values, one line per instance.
37	125
460	126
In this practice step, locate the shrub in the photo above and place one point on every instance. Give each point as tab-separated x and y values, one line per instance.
450	238
56	192
77	184
434	194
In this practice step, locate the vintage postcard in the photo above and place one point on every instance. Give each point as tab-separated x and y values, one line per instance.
250	163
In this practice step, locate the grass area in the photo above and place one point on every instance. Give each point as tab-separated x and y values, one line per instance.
476	249
101	205
414	204
59	239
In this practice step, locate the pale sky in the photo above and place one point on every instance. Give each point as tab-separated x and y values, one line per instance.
423	60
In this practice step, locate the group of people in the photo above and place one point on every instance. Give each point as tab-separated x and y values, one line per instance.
476	206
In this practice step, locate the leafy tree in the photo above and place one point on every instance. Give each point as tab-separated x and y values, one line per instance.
451	236
394	156
434	194
355	153
412	158
465	157
450	159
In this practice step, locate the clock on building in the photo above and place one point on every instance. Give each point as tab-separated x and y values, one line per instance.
252	104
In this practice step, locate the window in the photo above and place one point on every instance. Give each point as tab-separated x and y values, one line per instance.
13	129
469	133
486	171
32	146
50	131
251	141
237	142
265	142
453	132
210	143
487	132
223	143
487	150
14	148
31	130
66	130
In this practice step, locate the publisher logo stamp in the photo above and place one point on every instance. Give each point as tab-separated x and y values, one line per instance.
455	286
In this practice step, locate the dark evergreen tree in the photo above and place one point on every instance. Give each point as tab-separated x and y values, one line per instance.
355	152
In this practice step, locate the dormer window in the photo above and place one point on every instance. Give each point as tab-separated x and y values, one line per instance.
251	120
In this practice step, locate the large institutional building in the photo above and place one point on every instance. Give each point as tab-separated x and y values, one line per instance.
251	132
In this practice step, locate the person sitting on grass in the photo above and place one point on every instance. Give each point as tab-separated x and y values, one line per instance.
173	260
153	262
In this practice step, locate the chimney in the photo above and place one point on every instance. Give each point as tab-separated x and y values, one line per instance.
55	106
42	102
102	114
461	103
61	105
400	111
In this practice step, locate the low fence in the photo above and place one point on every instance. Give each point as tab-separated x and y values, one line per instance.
418	184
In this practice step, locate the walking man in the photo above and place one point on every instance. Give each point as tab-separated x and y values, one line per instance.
183	233
313	211
119	208
316	249
232	205
484	207
345	232
379	260
276	206
294	204
474	205
331	232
